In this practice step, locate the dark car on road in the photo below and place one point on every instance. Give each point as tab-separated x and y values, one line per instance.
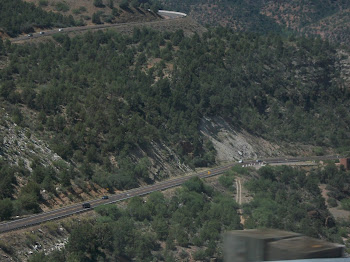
105	197
86	205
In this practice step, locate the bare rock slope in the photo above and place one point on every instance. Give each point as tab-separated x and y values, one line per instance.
232	145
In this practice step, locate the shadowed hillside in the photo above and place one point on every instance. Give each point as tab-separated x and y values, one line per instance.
328	19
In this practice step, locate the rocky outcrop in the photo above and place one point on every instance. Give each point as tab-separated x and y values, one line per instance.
232	145
19	146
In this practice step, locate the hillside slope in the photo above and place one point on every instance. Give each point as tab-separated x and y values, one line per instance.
17	16
128	110
115	11
28	16
328	19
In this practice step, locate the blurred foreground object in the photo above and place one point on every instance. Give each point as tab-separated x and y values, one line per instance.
273	245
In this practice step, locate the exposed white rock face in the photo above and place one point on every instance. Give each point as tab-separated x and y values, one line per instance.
20	146
231	145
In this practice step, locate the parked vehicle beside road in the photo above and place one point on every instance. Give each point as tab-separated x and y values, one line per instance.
86	205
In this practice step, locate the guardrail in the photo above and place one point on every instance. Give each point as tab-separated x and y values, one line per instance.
171	12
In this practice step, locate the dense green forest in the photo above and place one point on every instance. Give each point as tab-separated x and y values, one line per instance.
102	100
17	16
160	228
105	94
289	199
338	185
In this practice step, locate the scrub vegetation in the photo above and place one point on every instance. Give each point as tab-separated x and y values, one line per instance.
191	221
99	97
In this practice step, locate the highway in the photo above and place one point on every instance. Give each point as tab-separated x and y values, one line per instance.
163	13
77	208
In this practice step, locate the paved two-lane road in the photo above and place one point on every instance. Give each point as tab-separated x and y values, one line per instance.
163	13
77	208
